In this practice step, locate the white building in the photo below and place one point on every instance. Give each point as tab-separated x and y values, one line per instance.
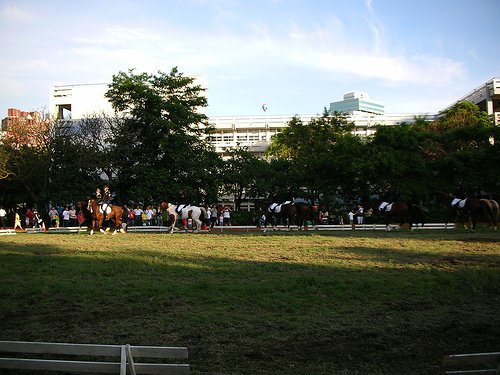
486	97
77	101
255	132
357	102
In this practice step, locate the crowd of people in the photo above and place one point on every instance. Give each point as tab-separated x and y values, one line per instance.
217	215
133	215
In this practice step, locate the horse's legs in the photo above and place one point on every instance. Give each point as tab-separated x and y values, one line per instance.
174	221
198	224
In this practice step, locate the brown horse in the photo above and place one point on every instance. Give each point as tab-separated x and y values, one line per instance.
401	211
115	214
470	210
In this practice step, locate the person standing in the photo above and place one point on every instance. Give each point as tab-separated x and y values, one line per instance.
73	218
29	218
213	216
360	214
65	215
17	221
54	217
369	216
351	218
3	215
227	216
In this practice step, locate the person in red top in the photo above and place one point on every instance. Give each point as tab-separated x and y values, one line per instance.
29	218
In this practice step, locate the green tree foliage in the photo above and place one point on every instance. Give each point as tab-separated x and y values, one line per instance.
310	148
27	151
395	158
459	147
244	175
164	135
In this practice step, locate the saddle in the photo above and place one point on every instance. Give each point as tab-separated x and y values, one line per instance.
276	207
385	206
105	208
180	208
458	203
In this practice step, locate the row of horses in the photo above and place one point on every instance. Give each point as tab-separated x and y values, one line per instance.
299	213
95	215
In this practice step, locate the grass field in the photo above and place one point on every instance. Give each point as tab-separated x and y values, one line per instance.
312	303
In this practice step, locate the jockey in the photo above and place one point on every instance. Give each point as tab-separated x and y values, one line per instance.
98	195
106	200
183	197
461	194
462	191
280	199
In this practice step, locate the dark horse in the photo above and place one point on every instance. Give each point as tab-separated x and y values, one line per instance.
115	214
470	210
292	213
403	212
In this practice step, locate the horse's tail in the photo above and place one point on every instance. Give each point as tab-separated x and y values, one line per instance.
495	208
490	211
204	215
416	215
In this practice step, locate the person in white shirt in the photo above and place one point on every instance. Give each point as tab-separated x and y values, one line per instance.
3	215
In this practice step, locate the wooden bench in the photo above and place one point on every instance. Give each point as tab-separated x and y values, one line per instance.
125	358
474	363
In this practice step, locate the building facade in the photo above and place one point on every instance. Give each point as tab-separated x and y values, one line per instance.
357	102
77	101
73	102
17	117
254	132
487	98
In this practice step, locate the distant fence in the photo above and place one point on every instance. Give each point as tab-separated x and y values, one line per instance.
248	228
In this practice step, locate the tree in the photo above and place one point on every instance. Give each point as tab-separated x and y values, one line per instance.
4	163
165	134
459	147
243	175
26	148
310	147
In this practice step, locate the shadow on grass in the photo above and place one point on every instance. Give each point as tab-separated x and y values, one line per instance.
398	313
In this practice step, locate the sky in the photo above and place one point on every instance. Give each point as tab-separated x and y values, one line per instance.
295	56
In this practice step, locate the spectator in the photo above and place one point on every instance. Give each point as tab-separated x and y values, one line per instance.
3	215
131	218
73	219
65	216
54	217
17	221
138	216
213	216
360	214
226	216
351	218
29	218
369	216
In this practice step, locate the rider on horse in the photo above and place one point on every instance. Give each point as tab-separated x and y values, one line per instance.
105	198
460	196
182	204
280	199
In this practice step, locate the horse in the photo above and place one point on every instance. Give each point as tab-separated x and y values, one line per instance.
470	210
193	212
298	213
402	211
113	213
82	209
495	210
